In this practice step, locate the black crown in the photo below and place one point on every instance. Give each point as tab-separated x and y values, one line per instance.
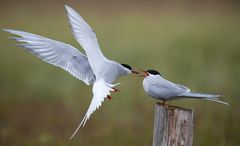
153	72
127	66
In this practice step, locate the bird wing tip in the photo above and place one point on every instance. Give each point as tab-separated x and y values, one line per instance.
67	7
7	30
227	104
4	29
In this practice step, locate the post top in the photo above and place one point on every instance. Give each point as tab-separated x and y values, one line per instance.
172	107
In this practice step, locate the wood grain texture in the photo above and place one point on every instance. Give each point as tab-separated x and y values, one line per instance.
173	126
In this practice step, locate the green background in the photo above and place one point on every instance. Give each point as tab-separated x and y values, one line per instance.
195	43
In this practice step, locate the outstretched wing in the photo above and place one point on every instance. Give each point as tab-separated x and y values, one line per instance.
100	90
85	36
57	53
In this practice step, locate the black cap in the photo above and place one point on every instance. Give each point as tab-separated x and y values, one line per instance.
127	66
153	72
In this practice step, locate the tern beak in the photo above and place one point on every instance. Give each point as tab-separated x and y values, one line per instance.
135	72
144	73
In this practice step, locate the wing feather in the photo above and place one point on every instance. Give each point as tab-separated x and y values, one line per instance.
57	53
86	37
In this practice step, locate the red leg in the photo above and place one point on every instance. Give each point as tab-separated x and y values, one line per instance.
115	90
109	97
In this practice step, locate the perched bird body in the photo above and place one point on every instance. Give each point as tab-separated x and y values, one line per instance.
159	88
92	68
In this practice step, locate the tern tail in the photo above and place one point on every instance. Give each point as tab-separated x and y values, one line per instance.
101	90
211	97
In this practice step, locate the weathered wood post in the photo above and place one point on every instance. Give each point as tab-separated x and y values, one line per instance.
173	126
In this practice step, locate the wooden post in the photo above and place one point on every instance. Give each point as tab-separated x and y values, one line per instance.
173	126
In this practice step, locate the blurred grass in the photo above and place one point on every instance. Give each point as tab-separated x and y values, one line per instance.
42	105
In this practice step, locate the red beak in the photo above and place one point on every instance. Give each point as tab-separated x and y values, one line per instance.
145	73
135	72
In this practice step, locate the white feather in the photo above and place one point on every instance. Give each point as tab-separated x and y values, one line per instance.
210	97
216	100
86	37
100	90
57	53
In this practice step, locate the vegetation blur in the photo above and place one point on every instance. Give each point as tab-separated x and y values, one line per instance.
194	43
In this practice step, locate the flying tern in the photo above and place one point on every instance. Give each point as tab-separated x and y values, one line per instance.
92	68
159	88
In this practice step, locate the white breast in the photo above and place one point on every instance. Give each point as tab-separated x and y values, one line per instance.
148	86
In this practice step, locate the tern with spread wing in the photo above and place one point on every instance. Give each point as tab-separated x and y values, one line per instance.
92	68
159	88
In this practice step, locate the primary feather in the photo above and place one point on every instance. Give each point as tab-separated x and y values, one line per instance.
85	36
56	53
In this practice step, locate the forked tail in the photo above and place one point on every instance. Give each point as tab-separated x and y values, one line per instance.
101	90
210	97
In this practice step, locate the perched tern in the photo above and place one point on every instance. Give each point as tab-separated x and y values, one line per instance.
159	88
92	68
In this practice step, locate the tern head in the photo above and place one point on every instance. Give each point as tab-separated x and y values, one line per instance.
129	69
150	72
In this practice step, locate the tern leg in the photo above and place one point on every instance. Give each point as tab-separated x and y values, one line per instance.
164	102
115	90
109	97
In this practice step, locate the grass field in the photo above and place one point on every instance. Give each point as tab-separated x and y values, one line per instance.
41	105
